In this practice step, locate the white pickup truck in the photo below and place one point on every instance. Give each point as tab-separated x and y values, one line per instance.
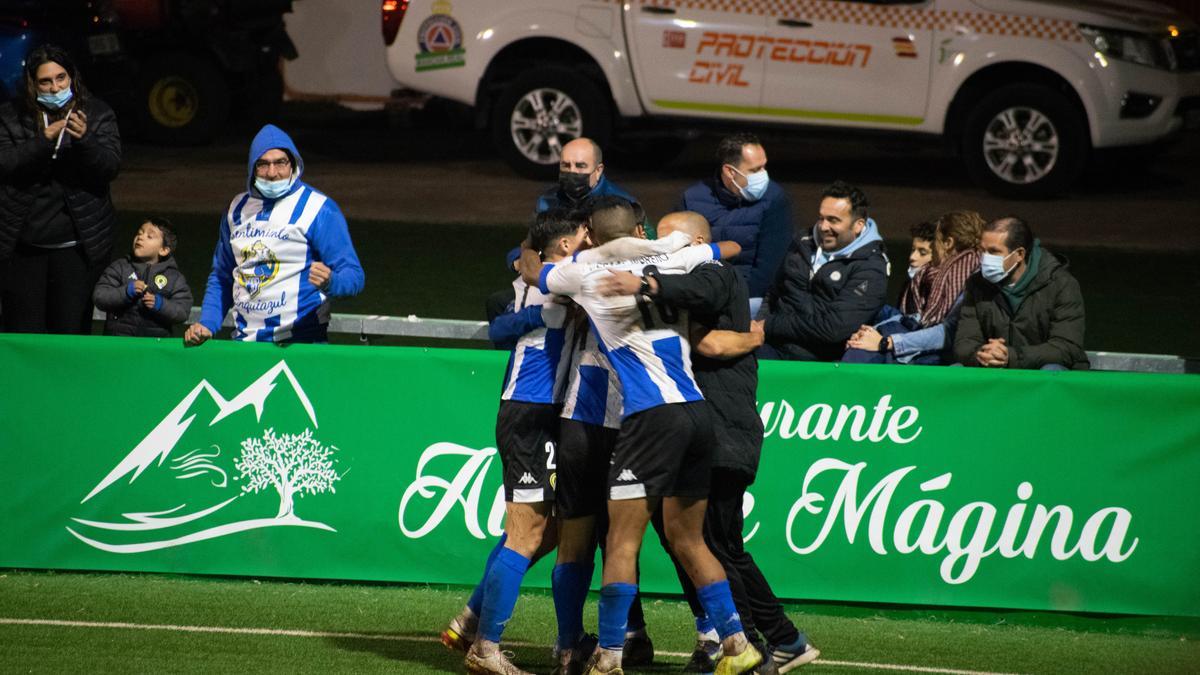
1023	90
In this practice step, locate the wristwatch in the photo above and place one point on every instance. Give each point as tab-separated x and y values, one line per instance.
644	289
883	345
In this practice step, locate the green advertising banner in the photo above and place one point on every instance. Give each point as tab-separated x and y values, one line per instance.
947	486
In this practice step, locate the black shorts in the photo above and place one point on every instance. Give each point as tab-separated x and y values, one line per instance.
526	438
584	455
665	451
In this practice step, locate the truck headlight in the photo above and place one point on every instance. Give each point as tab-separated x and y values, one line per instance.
1127	46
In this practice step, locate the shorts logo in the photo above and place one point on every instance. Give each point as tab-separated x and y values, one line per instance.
527	479
440	39
626	475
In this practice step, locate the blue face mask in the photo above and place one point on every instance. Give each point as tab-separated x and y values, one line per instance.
756	185
273	189
991	266
56	100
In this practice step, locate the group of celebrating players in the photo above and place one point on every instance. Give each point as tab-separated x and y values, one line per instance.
603	427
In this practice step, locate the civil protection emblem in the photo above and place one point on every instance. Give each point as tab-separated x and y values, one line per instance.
440	39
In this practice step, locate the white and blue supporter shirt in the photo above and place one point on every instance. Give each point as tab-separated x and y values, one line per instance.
647	348
264	252
265	249
538	363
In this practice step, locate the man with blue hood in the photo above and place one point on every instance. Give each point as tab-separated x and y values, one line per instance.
283	251
832	280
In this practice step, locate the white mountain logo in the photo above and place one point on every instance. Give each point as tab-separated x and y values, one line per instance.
289	464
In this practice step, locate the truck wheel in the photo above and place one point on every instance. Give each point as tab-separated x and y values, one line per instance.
1025	141
182	99
541	111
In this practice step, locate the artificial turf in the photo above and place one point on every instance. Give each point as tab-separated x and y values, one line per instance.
376	615
1143	304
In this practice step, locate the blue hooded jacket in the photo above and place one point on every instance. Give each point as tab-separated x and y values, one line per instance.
763	228
265	250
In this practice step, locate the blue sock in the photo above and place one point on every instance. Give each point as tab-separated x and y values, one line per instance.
570	583
475	603
703	625
718	605
500	591
615	600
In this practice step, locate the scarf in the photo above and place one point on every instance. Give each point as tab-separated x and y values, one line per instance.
948	285
1015	293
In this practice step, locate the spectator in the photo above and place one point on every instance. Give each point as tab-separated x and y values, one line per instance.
832	281
1023	310
922	329
59	150
743	204
580	177
144	293
282	252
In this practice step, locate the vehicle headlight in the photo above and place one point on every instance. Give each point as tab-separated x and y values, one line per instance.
1127	46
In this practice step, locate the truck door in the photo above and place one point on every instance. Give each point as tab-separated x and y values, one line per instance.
690	61
847	62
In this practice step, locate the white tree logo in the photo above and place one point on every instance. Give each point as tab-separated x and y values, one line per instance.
290	463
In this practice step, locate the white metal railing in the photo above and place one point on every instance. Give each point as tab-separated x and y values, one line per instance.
375	325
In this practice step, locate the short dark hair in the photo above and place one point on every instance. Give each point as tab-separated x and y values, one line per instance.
923	230
611	217
1017	233
859	204
729	150
170	239
51	53
551	225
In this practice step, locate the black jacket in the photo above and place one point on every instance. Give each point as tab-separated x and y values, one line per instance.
716	297
812	316
84	168
126	314
1047	327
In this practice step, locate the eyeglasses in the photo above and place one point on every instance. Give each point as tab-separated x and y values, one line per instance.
264	164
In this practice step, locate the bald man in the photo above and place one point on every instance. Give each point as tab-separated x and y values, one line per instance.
716	298
580	177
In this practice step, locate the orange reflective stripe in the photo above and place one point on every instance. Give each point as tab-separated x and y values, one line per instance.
887	16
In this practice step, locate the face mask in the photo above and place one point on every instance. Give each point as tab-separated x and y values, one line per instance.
991	266
56	100
912	271
574	185
273	189
756	185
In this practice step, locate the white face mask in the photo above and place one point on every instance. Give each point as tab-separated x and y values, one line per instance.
756	184
912	271
273	189
991	266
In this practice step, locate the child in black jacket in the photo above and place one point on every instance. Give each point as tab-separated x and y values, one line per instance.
144	293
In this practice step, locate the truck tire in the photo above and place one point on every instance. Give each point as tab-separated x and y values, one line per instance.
183	99
1025	141
542	110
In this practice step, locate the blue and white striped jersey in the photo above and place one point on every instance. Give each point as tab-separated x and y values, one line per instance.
647	348
593	391
537	365
265	249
